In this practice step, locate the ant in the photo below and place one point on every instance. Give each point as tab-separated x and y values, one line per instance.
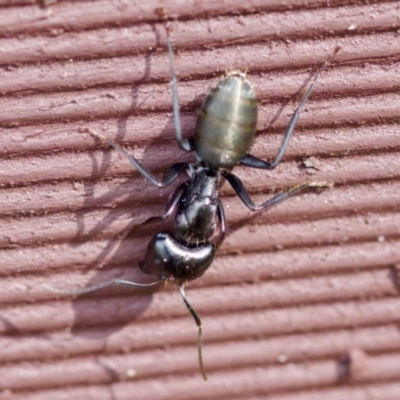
224	133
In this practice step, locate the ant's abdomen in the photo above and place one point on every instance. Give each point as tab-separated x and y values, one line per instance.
227	122
167	258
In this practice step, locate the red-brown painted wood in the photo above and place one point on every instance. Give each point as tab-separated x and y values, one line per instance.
302	302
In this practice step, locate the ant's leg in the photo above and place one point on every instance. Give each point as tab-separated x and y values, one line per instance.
222	224
171	204
168	177
118	282
255	162
241	191
184	144
198	323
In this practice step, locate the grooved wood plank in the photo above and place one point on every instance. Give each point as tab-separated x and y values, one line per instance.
301	302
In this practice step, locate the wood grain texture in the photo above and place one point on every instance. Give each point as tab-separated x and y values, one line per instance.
302	302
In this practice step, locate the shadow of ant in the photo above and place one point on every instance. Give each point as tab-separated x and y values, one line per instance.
92	311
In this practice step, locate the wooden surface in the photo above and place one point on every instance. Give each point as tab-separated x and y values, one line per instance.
301	303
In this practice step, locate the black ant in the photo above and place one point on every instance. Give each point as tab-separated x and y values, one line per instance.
224	133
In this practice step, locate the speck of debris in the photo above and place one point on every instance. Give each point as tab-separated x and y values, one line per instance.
282	359
130	373
312	164
352	364
381	238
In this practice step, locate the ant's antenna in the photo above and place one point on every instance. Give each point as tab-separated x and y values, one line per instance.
198	323
89	289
